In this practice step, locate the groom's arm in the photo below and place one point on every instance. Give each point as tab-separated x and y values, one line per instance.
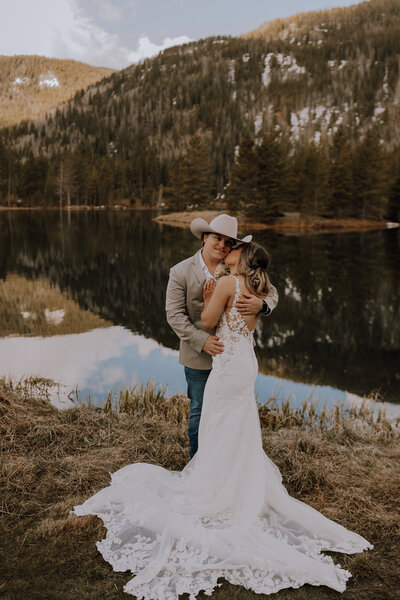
177	315
270	301
249	304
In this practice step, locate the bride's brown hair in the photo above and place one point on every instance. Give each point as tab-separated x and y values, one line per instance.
253	263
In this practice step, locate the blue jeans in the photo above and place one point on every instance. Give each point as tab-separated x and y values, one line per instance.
196	382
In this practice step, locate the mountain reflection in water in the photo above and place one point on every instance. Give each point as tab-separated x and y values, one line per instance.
337	323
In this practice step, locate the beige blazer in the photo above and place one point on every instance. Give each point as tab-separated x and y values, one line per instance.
184	305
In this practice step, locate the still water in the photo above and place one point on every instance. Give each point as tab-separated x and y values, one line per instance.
82	302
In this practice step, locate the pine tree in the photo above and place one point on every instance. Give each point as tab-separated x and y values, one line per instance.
174	190
370	178
34	174
106	181
308	179
51	186
66	180
271	179
120	180
321	196
242	187
340	175
394	201
4	172
192	181
93	191
81	170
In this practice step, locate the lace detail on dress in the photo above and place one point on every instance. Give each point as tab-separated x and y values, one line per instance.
233	331
189	569
233	320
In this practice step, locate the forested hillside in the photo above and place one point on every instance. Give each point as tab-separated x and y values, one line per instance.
30	86
309	106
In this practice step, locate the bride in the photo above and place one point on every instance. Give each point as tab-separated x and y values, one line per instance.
227	513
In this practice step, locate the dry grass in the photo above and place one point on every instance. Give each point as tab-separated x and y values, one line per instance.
50	460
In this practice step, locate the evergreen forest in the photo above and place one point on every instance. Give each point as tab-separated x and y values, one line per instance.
301	115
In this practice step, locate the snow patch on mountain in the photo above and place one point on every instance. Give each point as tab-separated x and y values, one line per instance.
324	119
55	317
288	67
21	81
258	121
317	137
299	120
379	109
48	80
231	72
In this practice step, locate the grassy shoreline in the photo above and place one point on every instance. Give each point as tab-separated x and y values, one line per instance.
347	467
291	222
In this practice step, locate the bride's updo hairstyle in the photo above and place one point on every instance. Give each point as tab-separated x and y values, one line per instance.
253	263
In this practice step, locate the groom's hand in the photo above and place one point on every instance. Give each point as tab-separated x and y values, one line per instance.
213	346
248	304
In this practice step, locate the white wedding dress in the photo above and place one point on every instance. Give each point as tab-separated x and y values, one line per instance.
227	513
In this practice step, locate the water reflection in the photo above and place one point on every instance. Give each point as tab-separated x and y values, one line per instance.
95	362
337	323
34	307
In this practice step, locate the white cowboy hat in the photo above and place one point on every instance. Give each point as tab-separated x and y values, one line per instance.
223	224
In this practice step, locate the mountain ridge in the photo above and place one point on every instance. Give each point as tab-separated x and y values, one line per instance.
330	76
31	85
134	129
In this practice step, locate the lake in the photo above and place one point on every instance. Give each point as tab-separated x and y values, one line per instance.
82	302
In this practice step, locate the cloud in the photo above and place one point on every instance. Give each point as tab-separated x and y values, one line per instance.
63	29
95	361
28	27
91	44
146	48
108	12
88	42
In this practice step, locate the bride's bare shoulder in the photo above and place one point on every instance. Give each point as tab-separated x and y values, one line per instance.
227	282
227	287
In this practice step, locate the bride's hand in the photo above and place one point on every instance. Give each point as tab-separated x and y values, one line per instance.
208	289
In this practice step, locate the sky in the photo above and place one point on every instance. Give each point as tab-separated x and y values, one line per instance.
116	33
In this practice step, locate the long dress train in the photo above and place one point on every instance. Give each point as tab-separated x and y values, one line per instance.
227	513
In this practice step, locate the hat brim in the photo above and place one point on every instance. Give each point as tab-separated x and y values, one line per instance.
199	226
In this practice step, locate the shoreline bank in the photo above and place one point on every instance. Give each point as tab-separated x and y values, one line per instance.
292	222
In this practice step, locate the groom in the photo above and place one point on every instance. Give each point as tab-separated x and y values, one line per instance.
184	305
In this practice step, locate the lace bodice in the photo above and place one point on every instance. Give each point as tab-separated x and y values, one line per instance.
232	324
237	338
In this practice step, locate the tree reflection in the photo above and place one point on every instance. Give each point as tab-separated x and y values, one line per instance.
337	321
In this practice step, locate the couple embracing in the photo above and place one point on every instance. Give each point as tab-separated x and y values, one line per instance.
190	290
226	514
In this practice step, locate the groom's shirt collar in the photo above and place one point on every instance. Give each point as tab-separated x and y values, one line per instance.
204	267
